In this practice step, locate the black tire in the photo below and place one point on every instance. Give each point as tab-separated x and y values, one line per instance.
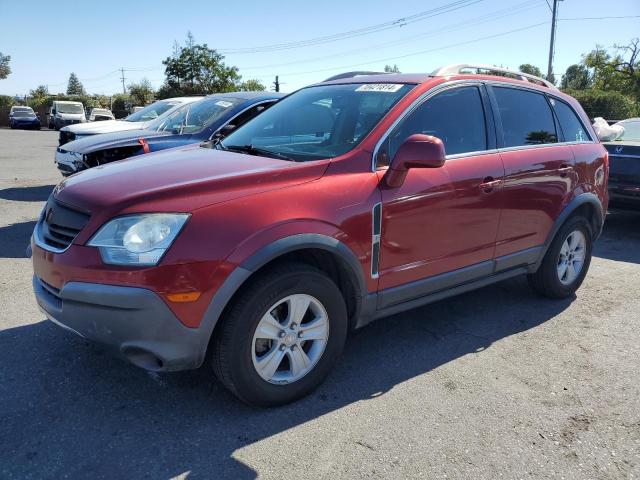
232	342
546	280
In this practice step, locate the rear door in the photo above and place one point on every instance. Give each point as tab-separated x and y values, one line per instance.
539	170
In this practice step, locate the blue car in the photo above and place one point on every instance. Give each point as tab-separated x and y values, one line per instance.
23	117
213	116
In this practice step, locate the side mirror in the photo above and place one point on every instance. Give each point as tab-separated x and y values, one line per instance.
226	130
417	151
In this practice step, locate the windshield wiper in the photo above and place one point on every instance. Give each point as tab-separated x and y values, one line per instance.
251	150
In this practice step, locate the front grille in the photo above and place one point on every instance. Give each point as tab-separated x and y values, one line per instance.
66	137
60	224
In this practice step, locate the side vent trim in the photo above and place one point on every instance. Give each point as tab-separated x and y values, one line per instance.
376	230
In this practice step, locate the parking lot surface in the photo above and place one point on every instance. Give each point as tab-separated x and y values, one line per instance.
498	383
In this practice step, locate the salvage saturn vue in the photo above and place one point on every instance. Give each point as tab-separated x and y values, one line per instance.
345	202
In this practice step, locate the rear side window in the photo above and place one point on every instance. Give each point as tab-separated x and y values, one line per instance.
526	117
570	124
455	116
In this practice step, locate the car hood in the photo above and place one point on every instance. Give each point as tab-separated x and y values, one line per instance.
180	179
30	118
106	126
93	143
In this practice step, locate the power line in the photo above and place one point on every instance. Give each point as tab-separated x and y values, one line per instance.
496	15
398	22
347	67
599	18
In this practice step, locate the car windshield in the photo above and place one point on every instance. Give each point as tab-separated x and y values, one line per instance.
193	117
151	112
631	131
23	113
70	108
100	111
317	122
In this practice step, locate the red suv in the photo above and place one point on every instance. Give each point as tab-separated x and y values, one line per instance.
345	202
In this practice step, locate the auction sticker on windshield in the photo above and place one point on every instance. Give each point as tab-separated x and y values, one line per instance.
379	87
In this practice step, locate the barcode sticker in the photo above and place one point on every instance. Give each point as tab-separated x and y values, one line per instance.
379	87
224	104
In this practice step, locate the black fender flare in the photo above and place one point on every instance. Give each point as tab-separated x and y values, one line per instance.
264	255
572	206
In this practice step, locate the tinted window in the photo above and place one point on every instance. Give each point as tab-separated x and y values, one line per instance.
570	124
455	116
526	117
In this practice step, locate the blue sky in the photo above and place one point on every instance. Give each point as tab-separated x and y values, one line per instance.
48	40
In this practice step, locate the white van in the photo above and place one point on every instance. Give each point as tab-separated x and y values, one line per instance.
63	113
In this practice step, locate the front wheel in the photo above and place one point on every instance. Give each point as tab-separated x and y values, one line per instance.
566	262
281	337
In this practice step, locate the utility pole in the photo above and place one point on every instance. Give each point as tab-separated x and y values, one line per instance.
276	84
553	40
124	90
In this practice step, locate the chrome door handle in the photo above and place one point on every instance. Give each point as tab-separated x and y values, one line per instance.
489	183
564	170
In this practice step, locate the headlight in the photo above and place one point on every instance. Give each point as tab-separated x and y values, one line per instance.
138	239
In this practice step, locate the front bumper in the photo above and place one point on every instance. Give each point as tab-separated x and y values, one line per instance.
132	321
30	124
68	162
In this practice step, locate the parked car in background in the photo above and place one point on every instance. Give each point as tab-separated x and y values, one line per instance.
100	115
344	202
23	117
63	113
624	166
136	109
190	123
135	121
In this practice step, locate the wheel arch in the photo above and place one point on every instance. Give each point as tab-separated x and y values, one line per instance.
326	253
587	204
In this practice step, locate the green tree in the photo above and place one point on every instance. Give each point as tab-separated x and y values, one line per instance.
390	69
197	69
41	92
577	77
74	86
142	93
530	69
610	105
5	69
252	86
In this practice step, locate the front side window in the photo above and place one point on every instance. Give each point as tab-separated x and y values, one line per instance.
318	122
526	117
455	116
193	117
570	124
150	112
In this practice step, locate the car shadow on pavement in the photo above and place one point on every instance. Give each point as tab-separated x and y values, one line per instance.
620	239
71	410
39	193
14	239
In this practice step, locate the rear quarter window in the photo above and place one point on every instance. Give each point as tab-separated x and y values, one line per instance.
571	126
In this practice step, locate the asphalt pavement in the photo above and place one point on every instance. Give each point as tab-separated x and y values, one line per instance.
498	383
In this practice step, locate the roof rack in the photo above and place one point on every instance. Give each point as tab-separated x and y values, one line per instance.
463	68
340	76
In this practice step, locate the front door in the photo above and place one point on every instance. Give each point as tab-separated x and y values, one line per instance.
442	220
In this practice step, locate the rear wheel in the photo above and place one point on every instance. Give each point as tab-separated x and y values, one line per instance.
281	337
566	262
